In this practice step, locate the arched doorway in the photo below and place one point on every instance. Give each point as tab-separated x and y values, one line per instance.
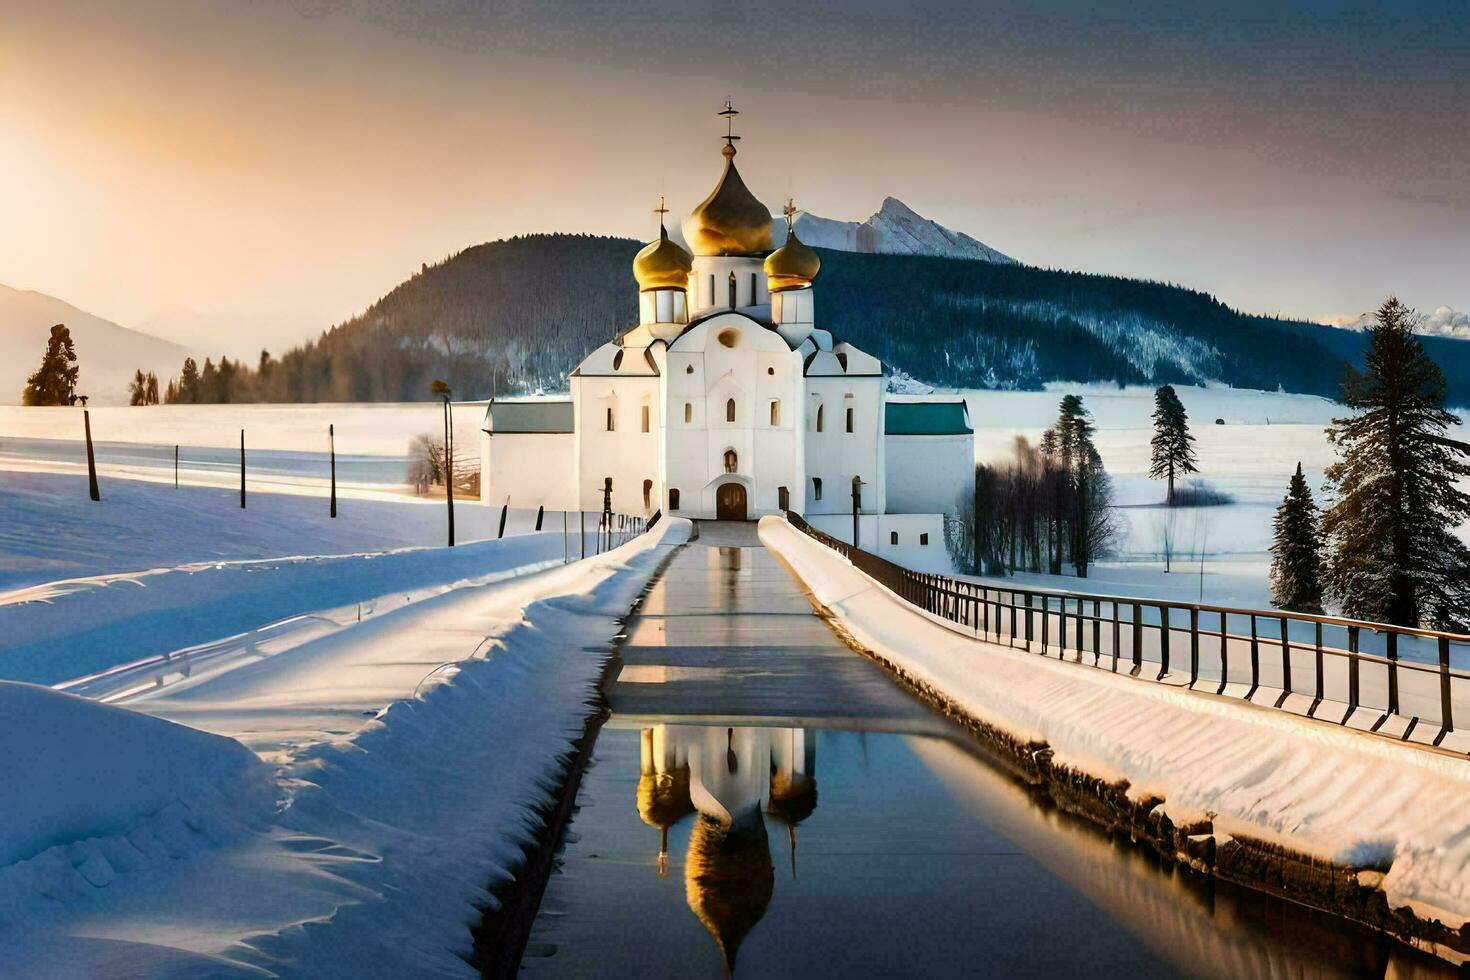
730	502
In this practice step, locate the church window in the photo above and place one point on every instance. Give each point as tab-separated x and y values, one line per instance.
673	498
609	418
816	488
711	289
728	338
729	410
842	359
647	494
733	304
617	360
775	413
924	539
821	415
645	418
732	462
688	412
754	291
770	370
849	420
689	369
893	537
783	498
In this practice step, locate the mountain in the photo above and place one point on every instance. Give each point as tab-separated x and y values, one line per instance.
107	353
1443	322
518	315
895	229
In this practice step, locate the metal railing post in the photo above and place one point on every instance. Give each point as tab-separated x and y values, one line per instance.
1353	682
1446	710
1163	641
1255	660
1193	645
1393	673
1137	639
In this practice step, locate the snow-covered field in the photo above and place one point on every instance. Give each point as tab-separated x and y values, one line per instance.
1251	457
1358	800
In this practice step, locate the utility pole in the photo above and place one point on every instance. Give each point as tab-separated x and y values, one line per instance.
332	452
92	490
442	390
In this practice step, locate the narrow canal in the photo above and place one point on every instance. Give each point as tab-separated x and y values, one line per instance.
764	801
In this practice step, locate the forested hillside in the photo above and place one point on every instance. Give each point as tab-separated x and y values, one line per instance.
519	314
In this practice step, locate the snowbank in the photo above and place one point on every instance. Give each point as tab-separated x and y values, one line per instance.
73	769
393	824
1317	789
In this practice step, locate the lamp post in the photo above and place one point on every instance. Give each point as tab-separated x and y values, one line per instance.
441	389
857	506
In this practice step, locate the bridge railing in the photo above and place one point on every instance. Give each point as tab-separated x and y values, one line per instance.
1399	682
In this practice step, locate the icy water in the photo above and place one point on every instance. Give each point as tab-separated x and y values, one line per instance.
764	798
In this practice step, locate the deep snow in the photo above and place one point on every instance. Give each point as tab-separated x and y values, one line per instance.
411	753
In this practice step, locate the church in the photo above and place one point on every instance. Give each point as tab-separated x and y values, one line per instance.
727	400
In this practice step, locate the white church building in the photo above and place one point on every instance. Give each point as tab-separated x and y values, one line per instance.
728	401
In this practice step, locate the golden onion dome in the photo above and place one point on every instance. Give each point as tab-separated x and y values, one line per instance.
731	221
662	264
793	265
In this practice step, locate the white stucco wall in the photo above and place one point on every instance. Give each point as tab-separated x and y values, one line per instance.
875	534
835	455
927	474
530	470
703	373
627	453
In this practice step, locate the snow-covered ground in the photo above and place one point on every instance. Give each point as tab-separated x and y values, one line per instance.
286	445
398	765
1359	800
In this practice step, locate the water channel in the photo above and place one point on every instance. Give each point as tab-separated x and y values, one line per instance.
764	801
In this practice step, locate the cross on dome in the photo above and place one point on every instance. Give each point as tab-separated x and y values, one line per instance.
730	112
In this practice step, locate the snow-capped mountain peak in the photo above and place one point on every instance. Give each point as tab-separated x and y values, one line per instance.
1442	322
894	229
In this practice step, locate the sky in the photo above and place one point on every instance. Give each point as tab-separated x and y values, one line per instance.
218	167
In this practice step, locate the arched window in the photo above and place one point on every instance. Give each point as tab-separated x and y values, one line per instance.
754	290
816	488
775	412
893	537
689	369
924	539
688	412
645	418
821	416
609	418
849	420
647	494
783	498
729	410
673	498
732	462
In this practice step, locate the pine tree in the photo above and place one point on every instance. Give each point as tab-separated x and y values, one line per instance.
1393	555
152	389
1296	563
188	388
138	389
55	381
1173	445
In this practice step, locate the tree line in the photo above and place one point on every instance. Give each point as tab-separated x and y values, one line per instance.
1049	506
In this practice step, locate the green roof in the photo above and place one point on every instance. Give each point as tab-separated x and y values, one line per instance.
926	419
539	415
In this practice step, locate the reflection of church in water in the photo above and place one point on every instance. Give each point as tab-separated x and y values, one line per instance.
727	780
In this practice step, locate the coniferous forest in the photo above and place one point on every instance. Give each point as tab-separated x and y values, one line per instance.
517	315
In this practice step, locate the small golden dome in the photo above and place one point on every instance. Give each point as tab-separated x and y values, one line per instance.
793	265
662	265
731	221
